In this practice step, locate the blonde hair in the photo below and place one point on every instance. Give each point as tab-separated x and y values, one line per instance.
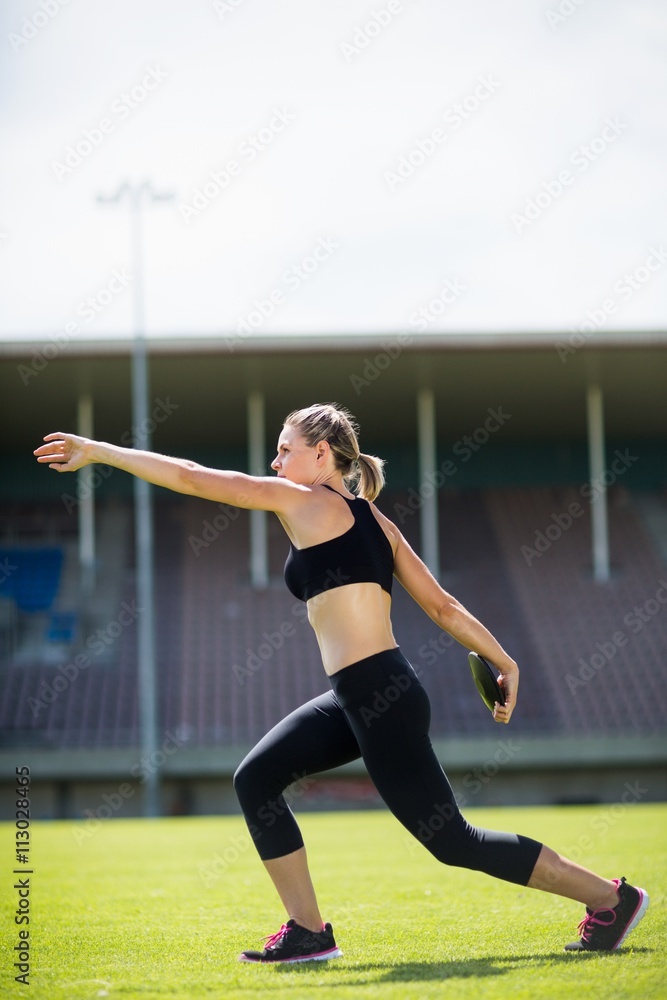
335	424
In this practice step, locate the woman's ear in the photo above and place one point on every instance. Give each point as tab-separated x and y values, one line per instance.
322	451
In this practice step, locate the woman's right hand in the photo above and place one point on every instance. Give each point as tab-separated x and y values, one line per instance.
509	682
64	452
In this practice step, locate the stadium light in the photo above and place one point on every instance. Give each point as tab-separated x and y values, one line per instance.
138	196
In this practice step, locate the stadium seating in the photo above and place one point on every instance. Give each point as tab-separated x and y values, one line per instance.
231	661
32	576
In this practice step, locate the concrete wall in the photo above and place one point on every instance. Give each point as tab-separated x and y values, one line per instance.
98	800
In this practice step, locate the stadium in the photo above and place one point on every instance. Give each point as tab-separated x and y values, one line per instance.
491	434
228	227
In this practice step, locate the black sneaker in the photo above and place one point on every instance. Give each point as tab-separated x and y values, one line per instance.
606	929
294	943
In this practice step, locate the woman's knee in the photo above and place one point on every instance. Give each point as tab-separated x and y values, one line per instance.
449	837
454	853
247	778
260	777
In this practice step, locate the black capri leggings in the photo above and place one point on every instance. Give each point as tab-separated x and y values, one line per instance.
378	710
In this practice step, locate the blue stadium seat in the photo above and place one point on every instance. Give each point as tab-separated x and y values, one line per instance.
32	577
62	627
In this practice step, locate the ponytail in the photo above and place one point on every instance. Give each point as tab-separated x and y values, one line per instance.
367	475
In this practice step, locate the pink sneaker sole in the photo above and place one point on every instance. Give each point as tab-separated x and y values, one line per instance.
321	956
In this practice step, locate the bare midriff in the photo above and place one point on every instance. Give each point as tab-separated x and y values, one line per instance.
351	623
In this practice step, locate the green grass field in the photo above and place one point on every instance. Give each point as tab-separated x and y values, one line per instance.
161	909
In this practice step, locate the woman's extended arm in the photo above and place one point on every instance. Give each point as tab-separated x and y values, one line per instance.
69	452
451	616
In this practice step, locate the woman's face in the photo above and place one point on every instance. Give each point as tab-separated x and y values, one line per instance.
296	460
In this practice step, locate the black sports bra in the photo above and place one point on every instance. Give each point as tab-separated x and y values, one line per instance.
362	554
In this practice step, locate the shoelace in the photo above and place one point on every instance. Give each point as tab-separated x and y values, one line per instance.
586	927
273	939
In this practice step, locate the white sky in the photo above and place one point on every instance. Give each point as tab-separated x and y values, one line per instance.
228	66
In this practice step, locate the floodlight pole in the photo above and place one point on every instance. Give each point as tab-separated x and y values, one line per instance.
596	450
428	464
143	508
84	426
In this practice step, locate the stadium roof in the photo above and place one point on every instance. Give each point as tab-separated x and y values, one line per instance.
541	379
228	343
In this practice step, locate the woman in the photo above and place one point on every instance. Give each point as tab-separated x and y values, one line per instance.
343	555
